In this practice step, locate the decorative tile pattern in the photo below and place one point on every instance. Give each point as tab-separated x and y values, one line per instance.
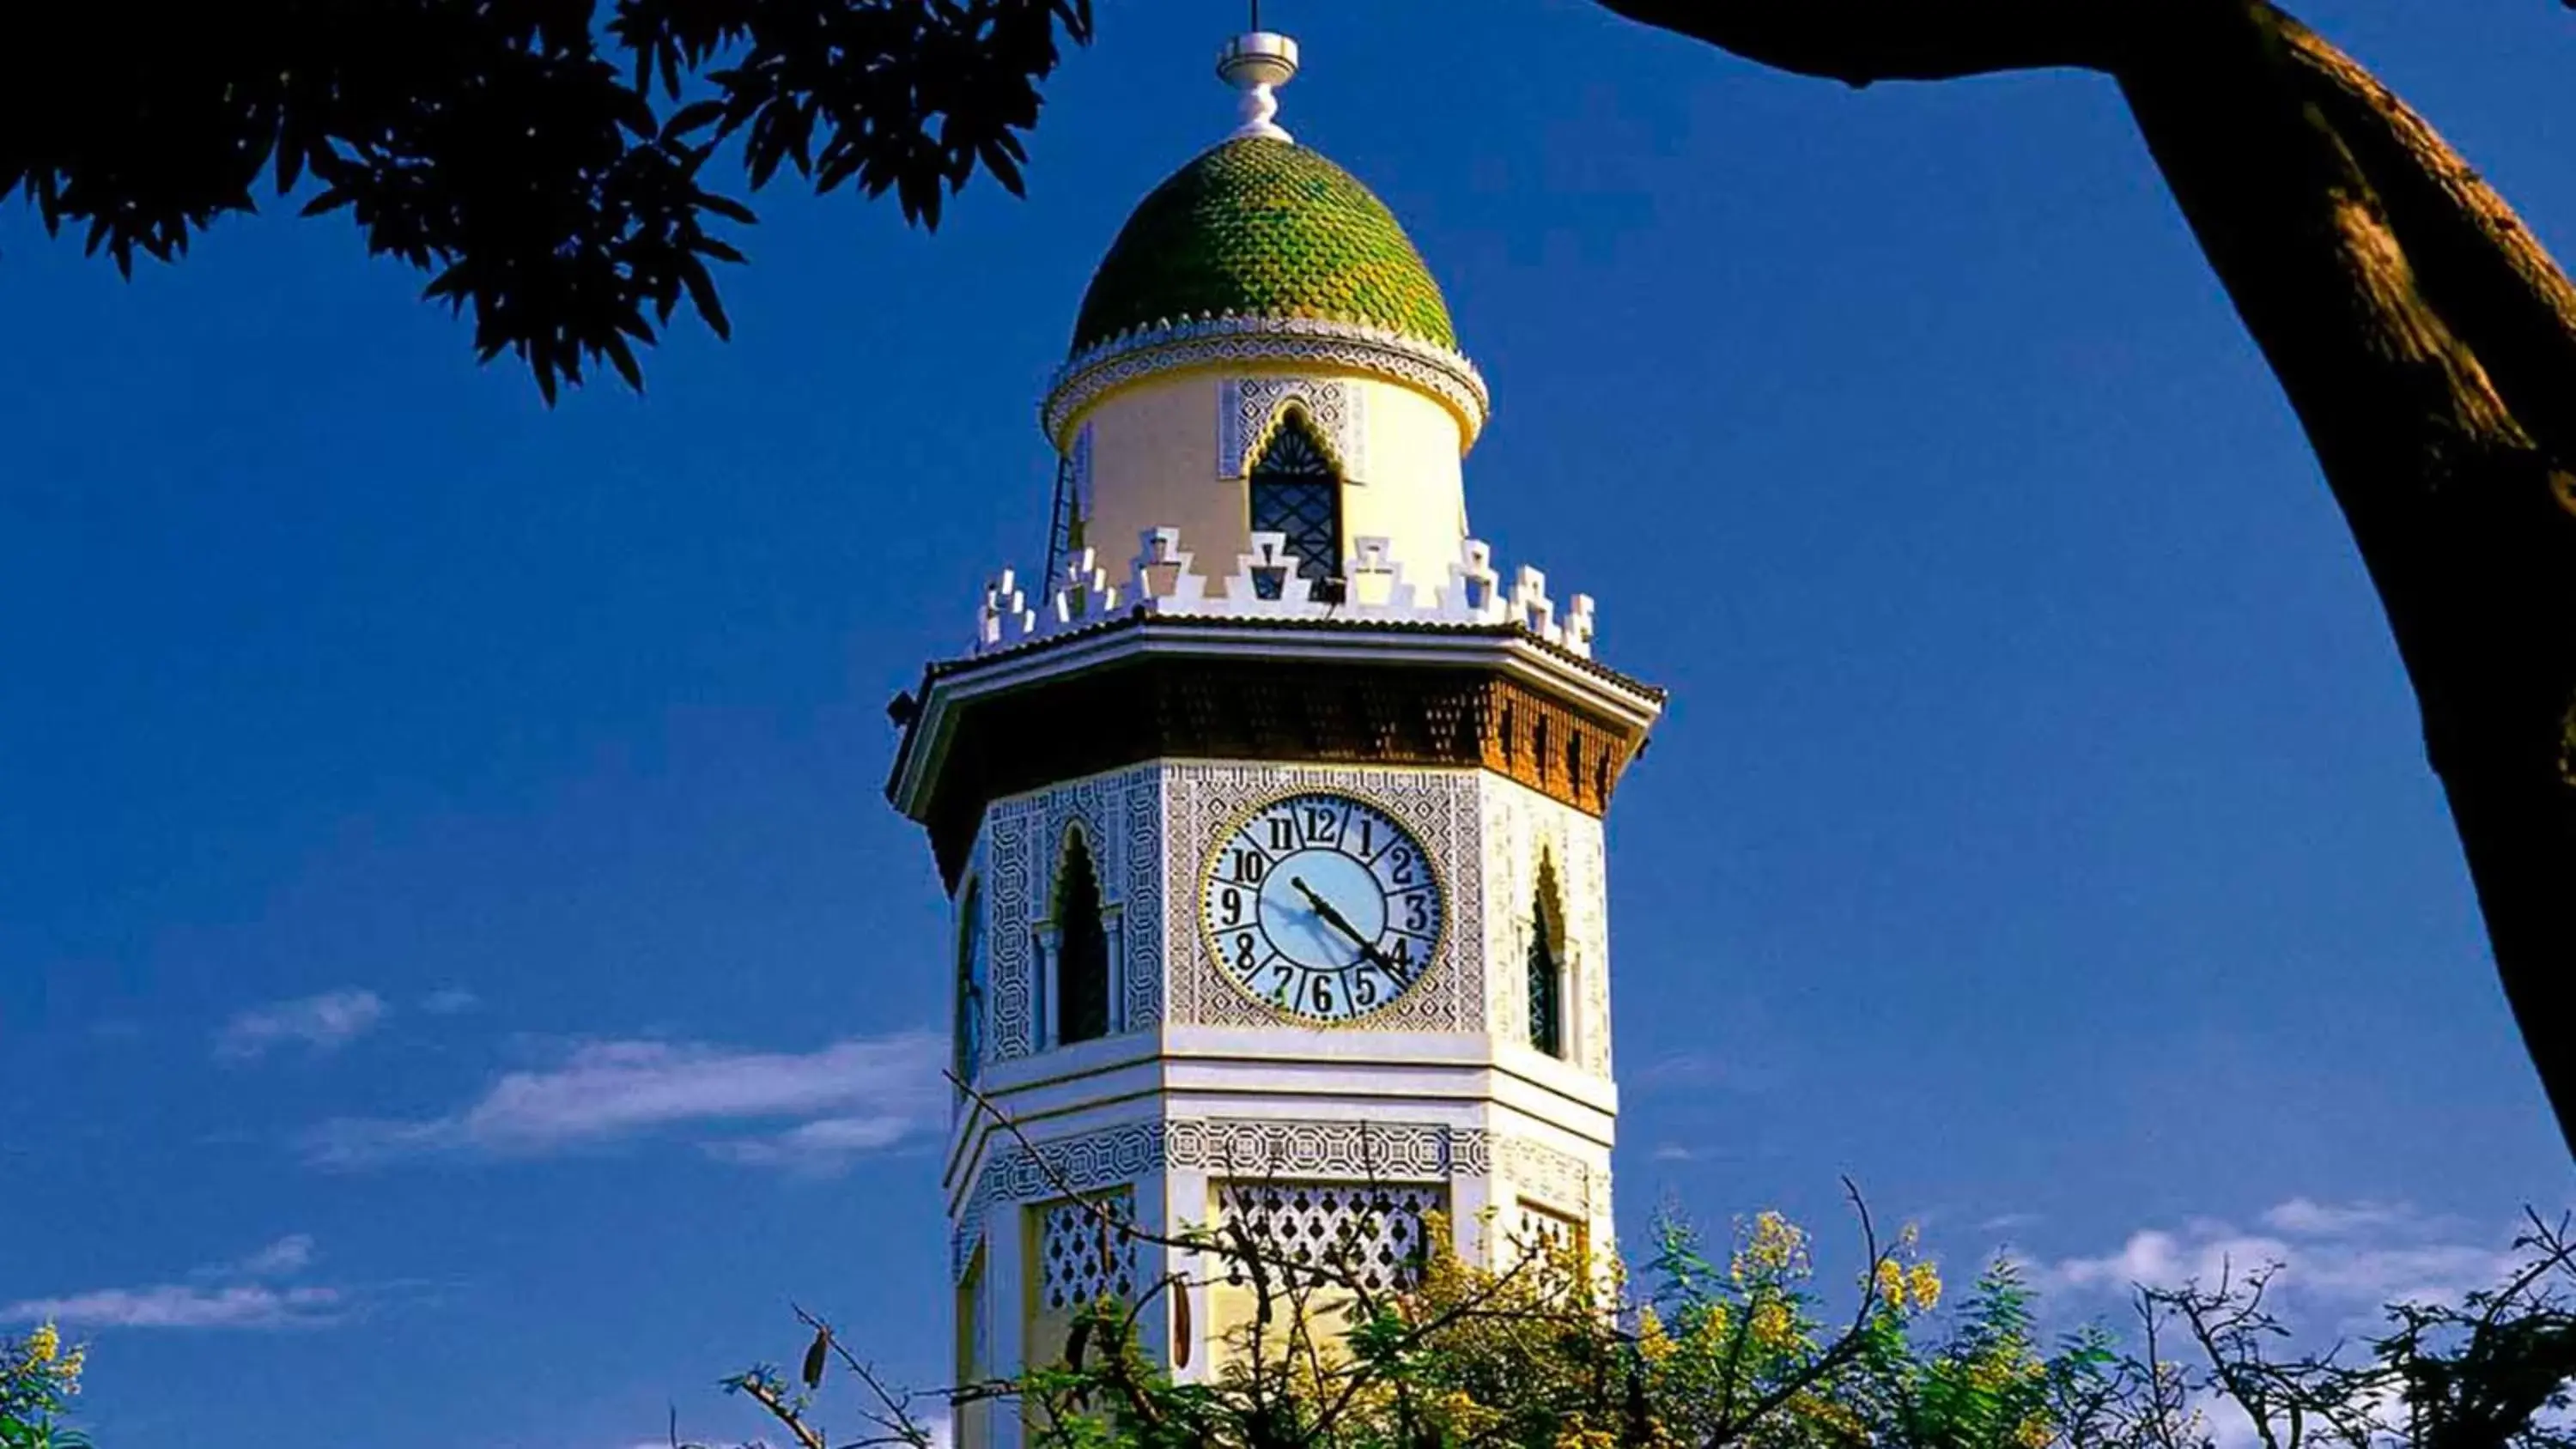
1010	873
1249	411
1266	227
1115	1155
1082	1258
1440	808
1120	816
1375	1233
1233	1147
1521	829
1141	885
1545	1175
1360	1150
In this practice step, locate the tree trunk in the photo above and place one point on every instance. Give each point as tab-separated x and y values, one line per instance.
2425	339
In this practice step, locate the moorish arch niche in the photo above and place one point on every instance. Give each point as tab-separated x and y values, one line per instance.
973	987
1074	963
1546	965
1295	491
1250	410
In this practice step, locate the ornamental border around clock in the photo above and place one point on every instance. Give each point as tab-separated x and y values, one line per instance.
1424	909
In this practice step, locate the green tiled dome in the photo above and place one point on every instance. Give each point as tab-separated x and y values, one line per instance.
1269	228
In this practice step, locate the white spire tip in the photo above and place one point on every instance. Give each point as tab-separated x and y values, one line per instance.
1257	63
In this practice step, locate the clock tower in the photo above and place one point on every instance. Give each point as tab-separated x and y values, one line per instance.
1271	810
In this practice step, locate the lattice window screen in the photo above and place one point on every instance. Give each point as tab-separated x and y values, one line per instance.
1376	1233
1293	491
1081	1258
1543	1230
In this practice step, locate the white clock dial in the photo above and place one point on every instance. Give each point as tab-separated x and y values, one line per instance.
1321	905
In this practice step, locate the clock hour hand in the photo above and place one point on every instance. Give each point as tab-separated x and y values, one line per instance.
1341	923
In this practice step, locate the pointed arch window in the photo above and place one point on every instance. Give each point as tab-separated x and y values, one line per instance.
1082	949
1546	972
972	986
1294	491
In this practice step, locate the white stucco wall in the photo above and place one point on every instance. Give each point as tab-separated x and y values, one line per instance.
1156	451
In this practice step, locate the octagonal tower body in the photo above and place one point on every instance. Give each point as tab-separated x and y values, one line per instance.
1265	410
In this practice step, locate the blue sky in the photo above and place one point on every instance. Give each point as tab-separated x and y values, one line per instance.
458	974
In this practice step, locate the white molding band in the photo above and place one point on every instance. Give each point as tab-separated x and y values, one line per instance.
1243	1148
1171	346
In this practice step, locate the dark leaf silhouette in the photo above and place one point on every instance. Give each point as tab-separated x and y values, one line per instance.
514	151
816	1355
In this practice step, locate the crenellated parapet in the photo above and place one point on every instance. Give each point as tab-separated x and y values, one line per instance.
1166	579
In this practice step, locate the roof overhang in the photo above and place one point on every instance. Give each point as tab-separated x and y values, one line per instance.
1149	687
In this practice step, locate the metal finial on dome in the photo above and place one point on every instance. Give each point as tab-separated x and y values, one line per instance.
1256	63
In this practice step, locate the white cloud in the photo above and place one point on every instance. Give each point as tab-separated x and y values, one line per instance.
2310	1218
450	1001
824	1145
177	1305
321	1023
856	1095
1675	1152
2341	1260
284	1258
1746	1069
240	1293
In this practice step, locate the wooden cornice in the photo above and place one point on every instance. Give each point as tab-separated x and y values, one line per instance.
1358	710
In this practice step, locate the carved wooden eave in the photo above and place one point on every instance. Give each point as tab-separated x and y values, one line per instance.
1494	697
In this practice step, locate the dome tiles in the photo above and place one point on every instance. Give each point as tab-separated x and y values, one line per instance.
1257	227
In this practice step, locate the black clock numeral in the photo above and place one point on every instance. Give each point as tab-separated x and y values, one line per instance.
1323	825
1230	901
1283	832
1364	989
1417	911
1368	839
1399	960
1243	954
1319	994
1250	865
1399	866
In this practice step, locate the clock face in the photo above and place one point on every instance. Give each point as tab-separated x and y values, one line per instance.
1322	906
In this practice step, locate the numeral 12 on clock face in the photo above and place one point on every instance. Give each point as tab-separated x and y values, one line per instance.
1321	905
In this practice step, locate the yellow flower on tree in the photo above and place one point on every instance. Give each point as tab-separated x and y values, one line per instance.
1891	1282
1654	1344
1774	1326
1775	1248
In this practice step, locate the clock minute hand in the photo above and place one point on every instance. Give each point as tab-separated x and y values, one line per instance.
1341	923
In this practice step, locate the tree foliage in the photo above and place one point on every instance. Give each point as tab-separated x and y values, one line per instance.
545	162
1742	1349
39	1377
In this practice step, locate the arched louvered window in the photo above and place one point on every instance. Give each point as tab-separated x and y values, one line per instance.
1546	973
968	1029
1295	491
1082	950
